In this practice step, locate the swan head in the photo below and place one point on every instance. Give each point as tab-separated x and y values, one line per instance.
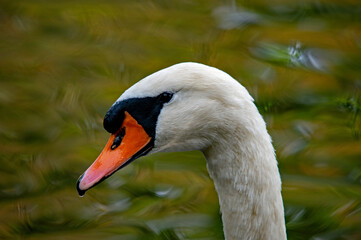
180	108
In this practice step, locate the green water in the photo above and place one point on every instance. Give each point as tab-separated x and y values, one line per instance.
63	63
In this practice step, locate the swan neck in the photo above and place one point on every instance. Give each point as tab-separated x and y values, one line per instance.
244	169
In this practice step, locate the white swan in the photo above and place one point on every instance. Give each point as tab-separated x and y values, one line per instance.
190	106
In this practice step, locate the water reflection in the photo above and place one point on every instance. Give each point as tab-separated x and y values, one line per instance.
296	56
231	17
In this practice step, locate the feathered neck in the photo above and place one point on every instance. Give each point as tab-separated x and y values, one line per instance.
243	166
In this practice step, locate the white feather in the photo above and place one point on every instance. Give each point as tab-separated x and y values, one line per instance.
211	112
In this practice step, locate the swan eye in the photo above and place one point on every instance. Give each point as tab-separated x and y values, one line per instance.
165	97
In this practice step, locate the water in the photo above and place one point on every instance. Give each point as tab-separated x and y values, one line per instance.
63	64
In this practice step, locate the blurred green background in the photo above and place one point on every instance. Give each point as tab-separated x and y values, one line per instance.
63	63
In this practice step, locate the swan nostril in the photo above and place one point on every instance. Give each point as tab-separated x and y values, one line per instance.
118	139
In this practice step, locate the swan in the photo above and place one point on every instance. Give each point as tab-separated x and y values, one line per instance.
191	106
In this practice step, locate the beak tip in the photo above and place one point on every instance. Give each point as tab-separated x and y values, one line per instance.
81	192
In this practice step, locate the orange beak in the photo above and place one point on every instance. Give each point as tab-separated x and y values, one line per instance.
127	144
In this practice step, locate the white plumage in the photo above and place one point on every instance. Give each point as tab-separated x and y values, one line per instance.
213	113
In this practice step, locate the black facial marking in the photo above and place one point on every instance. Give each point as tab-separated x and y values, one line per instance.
118	138
145	110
